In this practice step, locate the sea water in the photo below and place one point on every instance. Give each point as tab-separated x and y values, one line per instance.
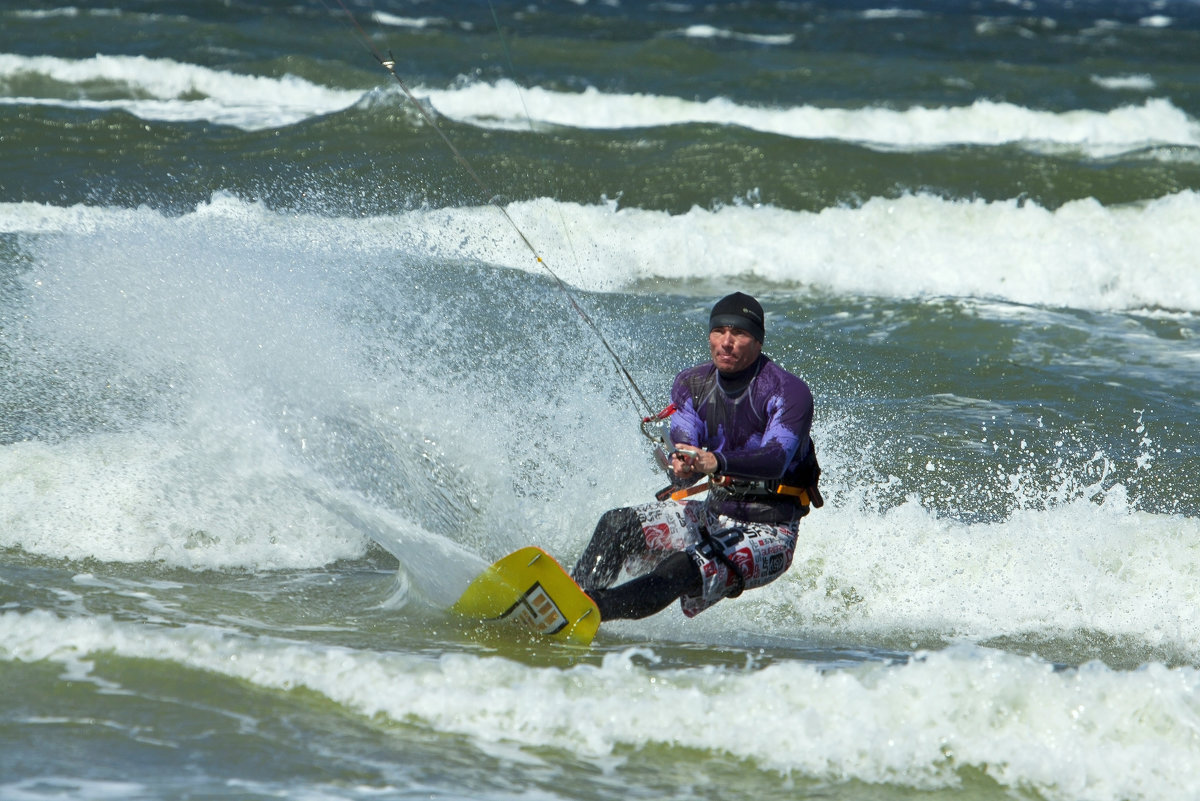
279	376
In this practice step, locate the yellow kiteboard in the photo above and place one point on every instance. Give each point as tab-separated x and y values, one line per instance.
529	588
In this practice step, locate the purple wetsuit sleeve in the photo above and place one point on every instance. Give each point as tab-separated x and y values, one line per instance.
687	426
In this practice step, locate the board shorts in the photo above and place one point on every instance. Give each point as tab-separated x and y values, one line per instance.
760	552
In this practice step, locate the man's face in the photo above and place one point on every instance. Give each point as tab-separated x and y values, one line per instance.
733	349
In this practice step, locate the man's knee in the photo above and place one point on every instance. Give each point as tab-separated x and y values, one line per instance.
618	534
680	572
651	593
615	522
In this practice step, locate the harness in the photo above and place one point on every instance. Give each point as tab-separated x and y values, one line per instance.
737	489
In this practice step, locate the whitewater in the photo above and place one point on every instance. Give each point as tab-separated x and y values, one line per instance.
278	379
1081	255
180	92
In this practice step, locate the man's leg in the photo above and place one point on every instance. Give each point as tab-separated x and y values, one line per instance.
617	537
646	595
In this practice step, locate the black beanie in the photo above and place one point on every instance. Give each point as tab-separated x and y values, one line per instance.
740	311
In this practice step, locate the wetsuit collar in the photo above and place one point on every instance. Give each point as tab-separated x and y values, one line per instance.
734	384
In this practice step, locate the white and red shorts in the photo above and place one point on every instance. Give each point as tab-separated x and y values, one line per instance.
761	552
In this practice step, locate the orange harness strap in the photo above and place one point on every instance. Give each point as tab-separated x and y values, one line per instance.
806	496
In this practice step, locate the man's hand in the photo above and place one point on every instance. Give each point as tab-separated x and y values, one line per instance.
688	460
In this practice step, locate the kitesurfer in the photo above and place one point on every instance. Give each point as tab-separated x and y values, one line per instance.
741	423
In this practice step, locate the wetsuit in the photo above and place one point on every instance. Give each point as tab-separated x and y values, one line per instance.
757	424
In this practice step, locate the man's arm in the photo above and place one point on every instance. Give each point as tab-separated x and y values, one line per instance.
687	432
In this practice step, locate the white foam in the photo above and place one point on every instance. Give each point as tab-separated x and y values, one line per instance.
199	499
207	496
164	89
67	11
208	364
1079	567
893	13
43	218
39	788
384	18
1082	255
984	122
1156	21
712	32
1090	733
1131	83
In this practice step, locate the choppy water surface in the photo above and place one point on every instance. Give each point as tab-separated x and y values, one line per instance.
277	379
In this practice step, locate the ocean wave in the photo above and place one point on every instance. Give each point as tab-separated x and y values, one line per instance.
1125	83
240	387
230	489
985	123
1073	574
1126	736
164	89
167	90
1082	255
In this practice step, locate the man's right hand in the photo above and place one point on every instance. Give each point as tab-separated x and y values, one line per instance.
687	461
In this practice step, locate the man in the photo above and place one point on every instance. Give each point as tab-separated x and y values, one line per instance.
742	422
